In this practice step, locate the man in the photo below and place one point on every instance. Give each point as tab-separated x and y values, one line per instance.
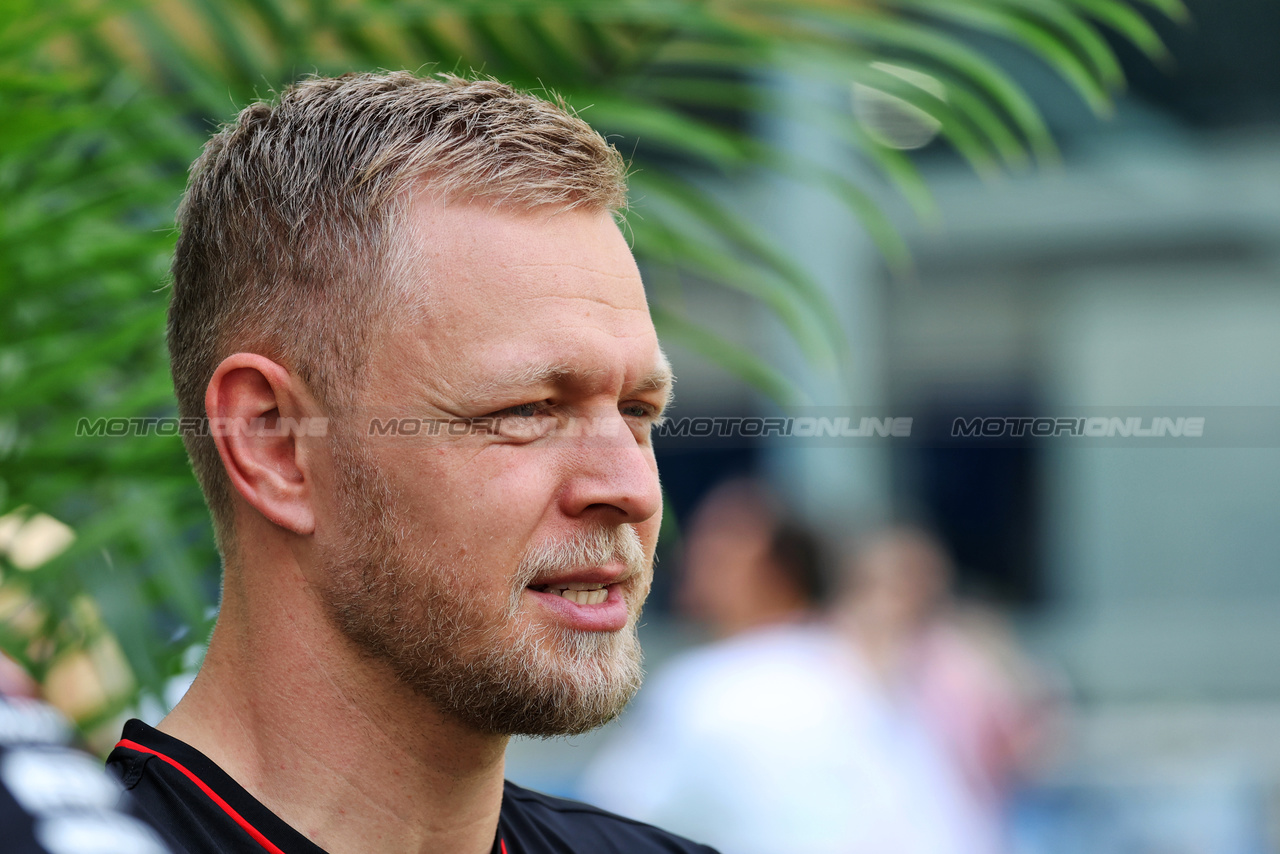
430	374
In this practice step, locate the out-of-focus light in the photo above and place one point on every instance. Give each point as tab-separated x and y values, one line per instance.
892	121
34	541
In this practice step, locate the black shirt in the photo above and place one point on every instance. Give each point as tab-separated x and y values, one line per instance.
199	809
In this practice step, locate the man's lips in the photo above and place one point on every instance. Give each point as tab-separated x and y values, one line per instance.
585	577
586	606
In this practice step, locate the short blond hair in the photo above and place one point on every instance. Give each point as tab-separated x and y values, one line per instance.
287	229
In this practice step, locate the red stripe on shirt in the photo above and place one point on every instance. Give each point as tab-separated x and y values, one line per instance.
226	807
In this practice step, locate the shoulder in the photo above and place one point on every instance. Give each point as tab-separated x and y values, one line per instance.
773	649
191	802
742	676
533	822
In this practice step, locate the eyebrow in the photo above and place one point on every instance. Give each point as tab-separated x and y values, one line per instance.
658	379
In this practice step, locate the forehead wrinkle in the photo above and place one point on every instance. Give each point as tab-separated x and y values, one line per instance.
567	265
594	299
536	374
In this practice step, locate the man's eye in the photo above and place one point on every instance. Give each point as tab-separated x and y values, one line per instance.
523	422
638	410
523	410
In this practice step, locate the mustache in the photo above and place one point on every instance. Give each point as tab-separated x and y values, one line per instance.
588	547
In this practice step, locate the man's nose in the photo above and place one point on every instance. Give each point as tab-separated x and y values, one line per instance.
611	473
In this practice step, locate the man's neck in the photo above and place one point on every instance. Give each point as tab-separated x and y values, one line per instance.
330	740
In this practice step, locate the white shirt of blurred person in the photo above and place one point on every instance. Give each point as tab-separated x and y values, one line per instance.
809	737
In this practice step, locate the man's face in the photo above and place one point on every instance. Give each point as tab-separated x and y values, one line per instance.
532	365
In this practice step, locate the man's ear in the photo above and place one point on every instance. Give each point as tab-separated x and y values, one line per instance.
255	407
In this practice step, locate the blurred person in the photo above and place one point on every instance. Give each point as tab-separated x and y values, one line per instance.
376	249
745	564
978	695
55	799
15	681
782	737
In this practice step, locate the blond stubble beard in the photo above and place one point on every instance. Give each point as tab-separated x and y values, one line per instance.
411	610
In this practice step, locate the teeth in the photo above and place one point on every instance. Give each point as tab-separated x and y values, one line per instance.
583	595
579	592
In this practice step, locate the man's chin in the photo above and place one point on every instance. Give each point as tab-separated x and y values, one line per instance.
570	687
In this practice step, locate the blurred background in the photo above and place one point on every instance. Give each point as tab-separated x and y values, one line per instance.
912	209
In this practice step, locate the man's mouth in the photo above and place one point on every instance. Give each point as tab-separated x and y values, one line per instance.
580	593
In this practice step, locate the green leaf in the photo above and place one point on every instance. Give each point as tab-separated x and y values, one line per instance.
668	245
745	238
1051	47
734	358
1128	23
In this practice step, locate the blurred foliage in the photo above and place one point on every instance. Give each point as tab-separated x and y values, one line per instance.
105	103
